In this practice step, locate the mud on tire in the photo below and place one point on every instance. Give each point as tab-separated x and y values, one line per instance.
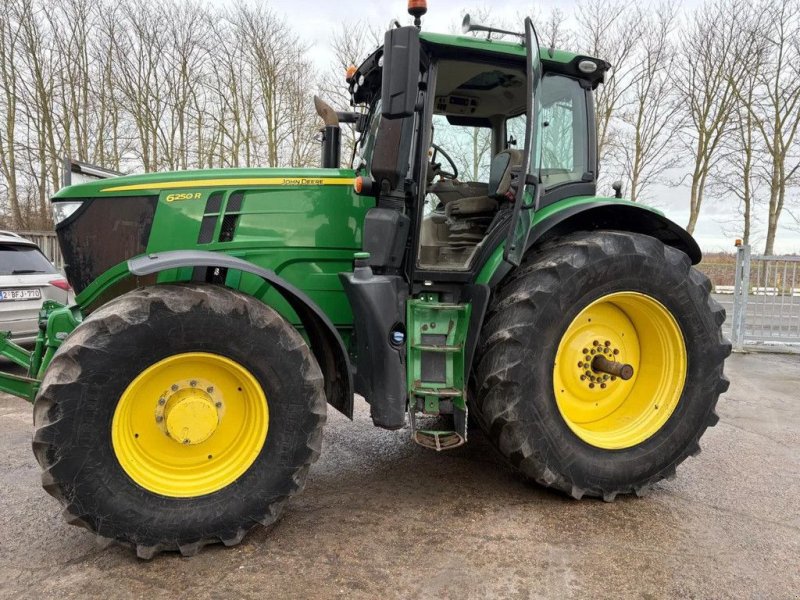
74	410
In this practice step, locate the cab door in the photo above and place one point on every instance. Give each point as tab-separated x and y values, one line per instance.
528	187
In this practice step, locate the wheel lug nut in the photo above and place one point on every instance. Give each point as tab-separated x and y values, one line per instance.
218	405
583	377
210	389
174	387
595	343
613	378
159	418
586	351
607	344
591	385
193	383
616	351
162	401
603	385
580	364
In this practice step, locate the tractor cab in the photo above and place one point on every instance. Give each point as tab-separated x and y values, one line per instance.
451	147
463	142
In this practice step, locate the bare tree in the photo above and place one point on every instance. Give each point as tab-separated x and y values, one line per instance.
775	106
651	111
9	48
612	30
349	46
707	91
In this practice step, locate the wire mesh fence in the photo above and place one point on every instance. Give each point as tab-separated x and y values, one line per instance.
766	300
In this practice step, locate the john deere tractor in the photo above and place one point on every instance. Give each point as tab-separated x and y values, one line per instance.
181	400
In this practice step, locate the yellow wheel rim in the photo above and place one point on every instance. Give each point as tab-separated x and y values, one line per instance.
605	410
190	425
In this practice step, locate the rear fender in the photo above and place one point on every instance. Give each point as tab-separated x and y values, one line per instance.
608	214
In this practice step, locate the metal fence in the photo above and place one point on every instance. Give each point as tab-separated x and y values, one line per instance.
48	243
766	300
761	296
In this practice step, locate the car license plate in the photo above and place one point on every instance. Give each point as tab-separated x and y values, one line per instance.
10	295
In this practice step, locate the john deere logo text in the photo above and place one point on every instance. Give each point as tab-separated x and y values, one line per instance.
302	181
185	196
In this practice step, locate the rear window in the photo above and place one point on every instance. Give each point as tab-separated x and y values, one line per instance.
16	259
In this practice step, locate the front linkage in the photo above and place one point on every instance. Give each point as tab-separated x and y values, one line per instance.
56	322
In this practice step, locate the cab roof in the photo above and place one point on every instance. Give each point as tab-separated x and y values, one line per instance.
461	46
558	61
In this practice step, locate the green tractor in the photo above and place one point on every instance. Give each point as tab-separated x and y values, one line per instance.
181	400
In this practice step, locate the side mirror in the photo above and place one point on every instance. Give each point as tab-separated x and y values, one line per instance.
617	187
400	72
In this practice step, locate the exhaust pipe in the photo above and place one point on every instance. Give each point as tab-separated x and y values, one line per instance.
331	135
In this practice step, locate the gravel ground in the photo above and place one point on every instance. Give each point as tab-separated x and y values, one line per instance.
381	517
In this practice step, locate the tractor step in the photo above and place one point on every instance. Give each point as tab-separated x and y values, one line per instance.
437	334
441	439
438	440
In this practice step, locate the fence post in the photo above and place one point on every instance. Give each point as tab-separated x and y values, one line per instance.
740	291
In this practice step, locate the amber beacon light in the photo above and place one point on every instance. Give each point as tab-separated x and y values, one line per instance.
417	8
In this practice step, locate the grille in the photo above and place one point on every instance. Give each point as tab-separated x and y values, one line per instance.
102	233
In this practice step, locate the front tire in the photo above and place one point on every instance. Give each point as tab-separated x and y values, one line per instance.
179	415
569	426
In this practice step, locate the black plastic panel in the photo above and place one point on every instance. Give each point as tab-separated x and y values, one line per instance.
102	233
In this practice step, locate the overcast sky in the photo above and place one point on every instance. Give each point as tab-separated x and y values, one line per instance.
315	19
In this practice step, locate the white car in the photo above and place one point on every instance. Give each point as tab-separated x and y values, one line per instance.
27	278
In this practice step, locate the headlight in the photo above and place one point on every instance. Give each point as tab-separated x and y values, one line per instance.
62	210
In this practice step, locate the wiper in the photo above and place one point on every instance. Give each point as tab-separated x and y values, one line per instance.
26	271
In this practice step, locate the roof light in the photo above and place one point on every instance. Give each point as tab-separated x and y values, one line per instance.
351	70
587	66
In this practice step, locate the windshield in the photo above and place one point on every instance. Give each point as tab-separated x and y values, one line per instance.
17	259
366	147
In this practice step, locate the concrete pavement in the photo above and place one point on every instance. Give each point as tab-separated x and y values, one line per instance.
381	517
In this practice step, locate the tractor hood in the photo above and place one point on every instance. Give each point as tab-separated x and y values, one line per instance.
154	183
103	223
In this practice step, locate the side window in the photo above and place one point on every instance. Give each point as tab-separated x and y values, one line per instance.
515	132
564	131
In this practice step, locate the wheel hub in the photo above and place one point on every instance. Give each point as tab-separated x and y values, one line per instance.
204	432
190	416
598	366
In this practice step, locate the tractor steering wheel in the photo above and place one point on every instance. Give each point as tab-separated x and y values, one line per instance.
437	167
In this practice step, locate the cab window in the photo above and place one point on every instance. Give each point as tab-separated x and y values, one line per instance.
564	131
470	148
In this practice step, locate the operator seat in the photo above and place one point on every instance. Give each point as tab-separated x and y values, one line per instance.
500	179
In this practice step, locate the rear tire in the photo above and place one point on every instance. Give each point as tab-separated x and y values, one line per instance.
92	464
521	354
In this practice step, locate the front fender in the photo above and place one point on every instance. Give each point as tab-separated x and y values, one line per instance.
324	339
